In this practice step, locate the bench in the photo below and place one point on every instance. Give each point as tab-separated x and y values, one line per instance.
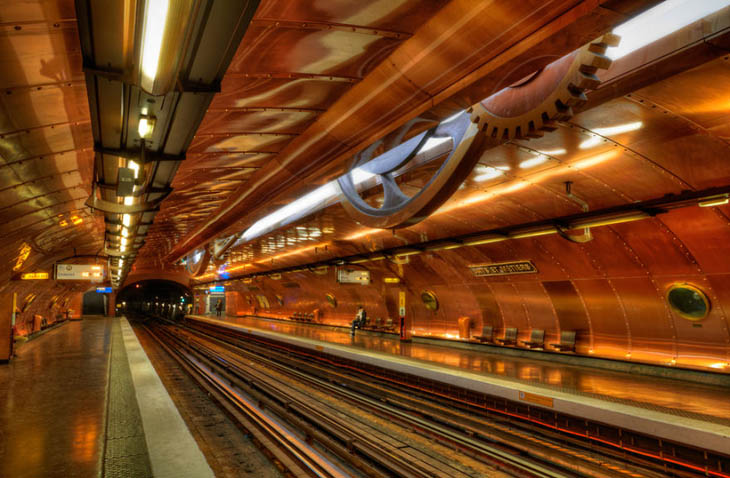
487	334
537	339
567	341
510	336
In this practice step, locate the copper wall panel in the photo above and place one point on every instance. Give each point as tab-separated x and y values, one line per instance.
651	325
401	15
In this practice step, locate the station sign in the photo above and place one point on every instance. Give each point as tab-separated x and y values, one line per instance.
34	276
349	276
90	272
402	303
217	289
503	268
104	290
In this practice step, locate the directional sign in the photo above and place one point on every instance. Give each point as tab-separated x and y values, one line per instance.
402	303
104	290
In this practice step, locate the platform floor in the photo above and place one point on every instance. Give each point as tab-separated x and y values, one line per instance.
83	401
694	400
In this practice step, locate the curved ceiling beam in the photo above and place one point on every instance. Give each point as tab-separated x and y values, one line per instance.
463	54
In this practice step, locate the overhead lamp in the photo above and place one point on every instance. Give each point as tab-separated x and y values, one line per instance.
155	19
660	21
126	219
128	200
718	200
145	127
125	232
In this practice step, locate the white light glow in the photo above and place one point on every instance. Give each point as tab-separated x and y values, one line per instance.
660	21
145	127
134	167
155	18
128	200
609	131
532	162
125	232
126	219
554	152
485	173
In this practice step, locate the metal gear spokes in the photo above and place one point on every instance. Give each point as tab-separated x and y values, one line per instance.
524	111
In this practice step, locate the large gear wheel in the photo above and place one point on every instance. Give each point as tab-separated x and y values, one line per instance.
524	110
197	267
531	107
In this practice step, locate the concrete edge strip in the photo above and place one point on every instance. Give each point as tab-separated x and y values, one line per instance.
172	449
696	433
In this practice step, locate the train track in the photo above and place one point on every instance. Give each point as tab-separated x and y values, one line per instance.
229	365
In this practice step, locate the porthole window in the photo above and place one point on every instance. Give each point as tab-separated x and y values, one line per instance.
688	301
429	300
331	300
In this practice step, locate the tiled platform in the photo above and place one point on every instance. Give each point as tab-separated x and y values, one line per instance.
689	412
84	401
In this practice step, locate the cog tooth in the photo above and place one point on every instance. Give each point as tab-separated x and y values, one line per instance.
587	81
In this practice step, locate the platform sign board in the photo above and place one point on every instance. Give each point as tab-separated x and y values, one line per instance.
350	276
503	268
104	290
402	303
34	276
217	289
90	272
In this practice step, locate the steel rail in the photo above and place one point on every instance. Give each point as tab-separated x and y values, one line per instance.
550	439
296	455
506	459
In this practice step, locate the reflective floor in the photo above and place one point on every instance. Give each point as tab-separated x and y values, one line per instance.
52	401
672	396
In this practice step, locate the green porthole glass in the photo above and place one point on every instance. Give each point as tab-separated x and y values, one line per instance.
429	300
688	301
331	300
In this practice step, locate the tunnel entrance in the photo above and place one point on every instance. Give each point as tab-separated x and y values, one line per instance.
157	298
94	303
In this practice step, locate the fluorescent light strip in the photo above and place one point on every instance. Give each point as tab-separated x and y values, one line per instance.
155	18
660	21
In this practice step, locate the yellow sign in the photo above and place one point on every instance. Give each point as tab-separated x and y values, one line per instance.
536	399
401	299
391	280
22	256
34	275
503	268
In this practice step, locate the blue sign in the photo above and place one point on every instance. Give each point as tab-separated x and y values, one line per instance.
104	290
217	288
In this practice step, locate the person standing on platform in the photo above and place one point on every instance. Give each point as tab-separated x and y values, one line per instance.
218	307
359	320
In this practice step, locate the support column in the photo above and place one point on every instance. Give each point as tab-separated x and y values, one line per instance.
7	309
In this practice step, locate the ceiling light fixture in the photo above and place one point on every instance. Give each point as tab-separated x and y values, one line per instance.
155	18
715	201
660	21
146	126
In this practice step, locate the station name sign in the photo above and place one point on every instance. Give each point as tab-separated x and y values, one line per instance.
34	276
217	289
503	268
90	272
104	290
